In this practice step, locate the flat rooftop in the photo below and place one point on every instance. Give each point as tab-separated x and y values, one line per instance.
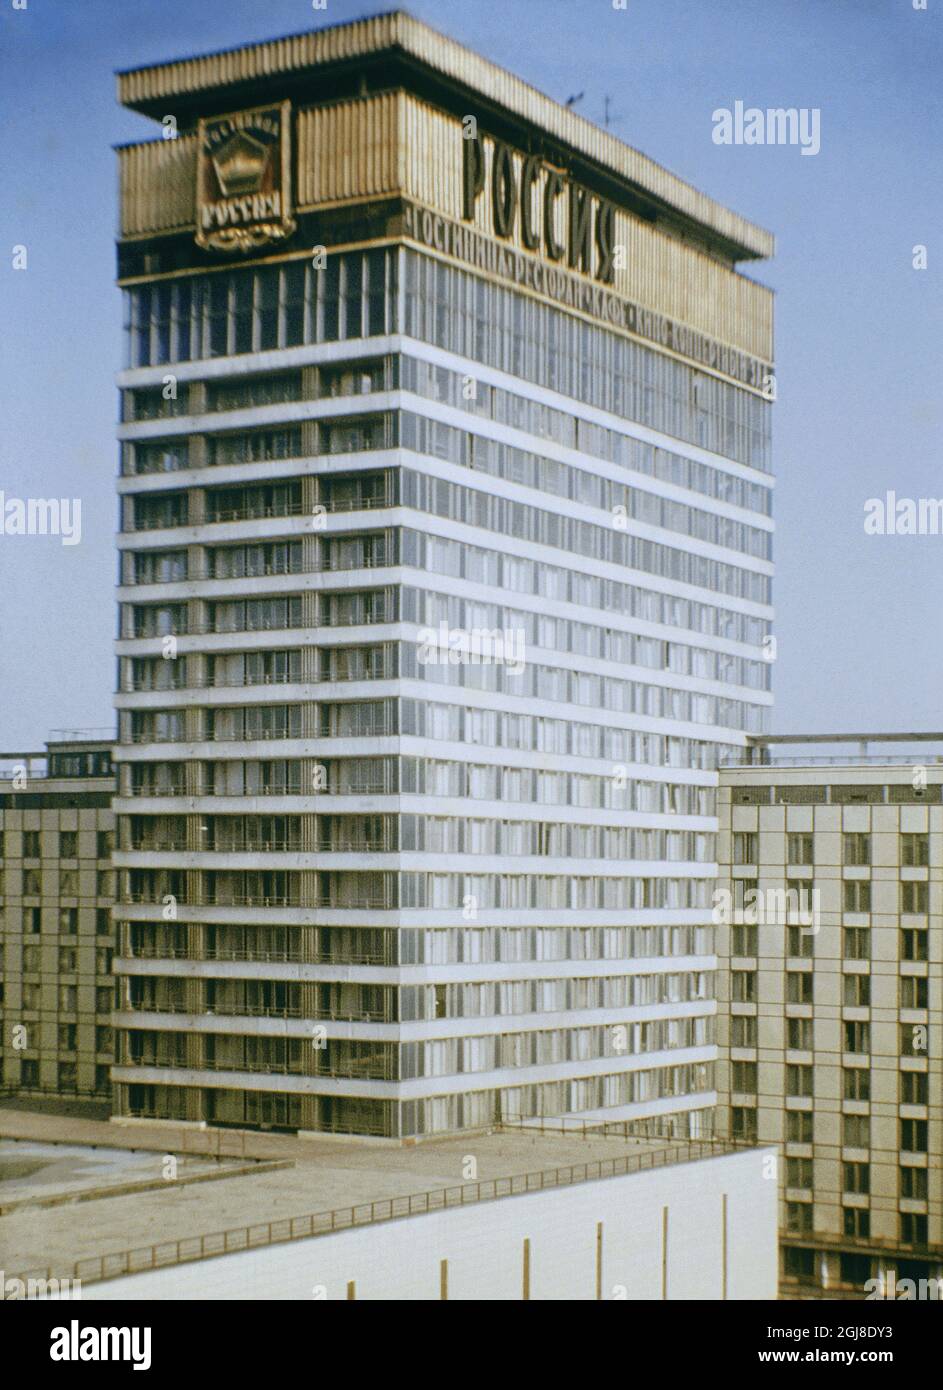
323	1176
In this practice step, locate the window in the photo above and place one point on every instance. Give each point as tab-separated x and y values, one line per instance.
32	883
799	942
105	843
913	1228
798	1263
67	1033
913	991
914	896
68	920
856	1221
743	1030
857	1036
68	844
102	922
799	987
743	986
67	959
800	849
913	1088
915	851
856	895
30	844
913	1184
857	849
856	990
856	1131
913	1136
913	1040
856	943
744	940
799	1126
32	920
799	1081
856	1083
67	1076
743	1077
798	1172
744	847
743	1122
799	1034
913	943
798	1218
856	1177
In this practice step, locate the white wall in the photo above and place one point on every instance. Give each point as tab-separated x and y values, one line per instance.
483	1244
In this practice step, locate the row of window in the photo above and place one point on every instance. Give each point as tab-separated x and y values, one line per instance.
66	964
405	1061
354	296
410	945
429	609
434	555
58	844
67	996
405	833
486	322
482	509
856	1223
66	1082
407	776
533	417
856	895
839	794
855	1034
855	1130
469	893
856	1085
58	882
64	920
222	315
387	1004
856	849
404	661
511	731
340	1114
555	479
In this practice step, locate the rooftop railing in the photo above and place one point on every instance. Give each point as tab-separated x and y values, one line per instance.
167	1254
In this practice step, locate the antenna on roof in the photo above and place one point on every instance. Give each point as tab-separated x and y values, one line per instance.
571	101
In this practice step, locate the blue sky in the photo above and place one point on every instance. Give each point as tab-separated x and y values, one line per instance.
857	328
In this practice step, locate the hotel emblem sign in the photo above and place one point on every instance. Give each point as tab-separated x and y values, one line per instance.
243	179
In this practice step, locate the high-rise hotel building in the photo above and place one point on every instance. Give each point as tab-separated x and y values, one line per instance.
445	573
